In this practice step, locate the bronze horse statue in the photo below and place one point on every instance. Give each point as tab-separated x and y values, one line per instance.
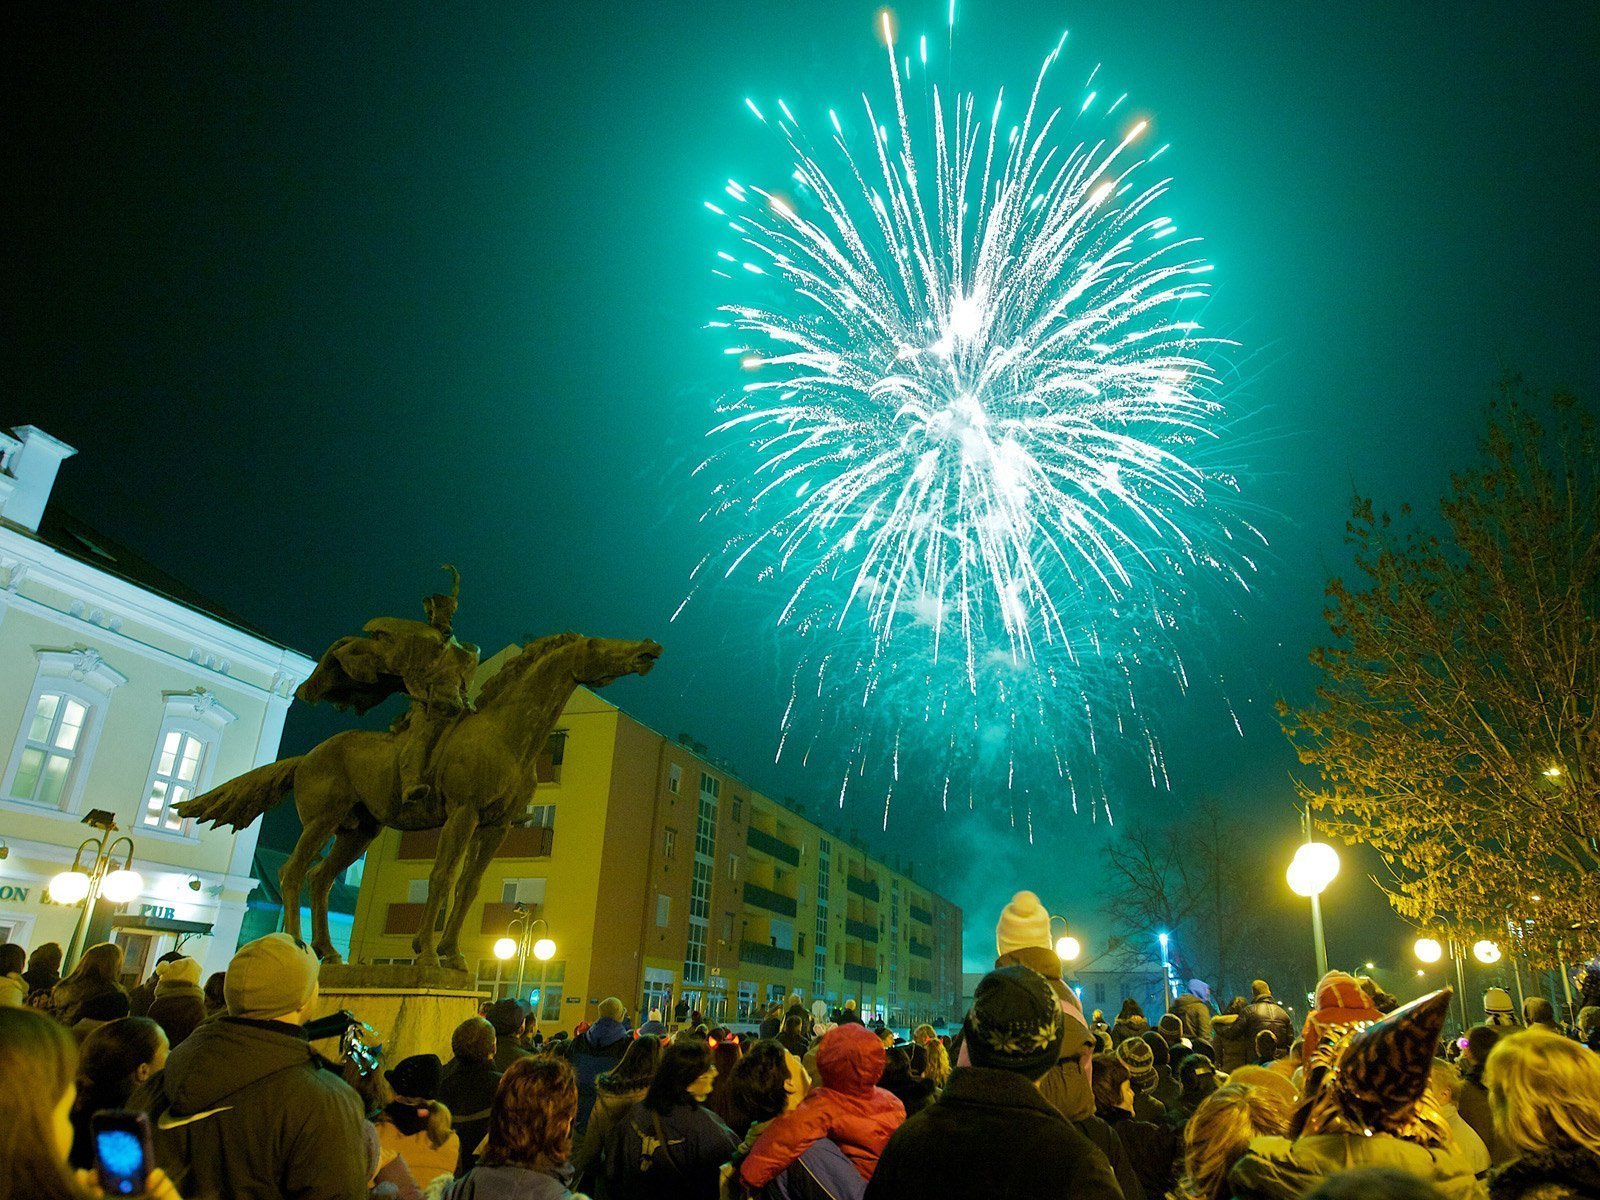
484	774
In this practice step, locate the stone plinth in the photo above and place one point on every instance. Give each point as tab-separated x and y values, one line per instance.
414	1009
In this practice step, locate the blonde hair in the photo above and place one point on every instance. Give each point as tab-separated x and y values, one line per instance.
1544	1092
1218	1134
937	1070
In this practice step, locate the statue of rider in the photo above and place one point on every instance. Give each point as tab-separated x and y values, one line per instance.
424	660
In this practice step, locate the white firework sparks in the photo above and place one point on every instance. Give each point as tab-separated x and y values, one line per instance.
968	451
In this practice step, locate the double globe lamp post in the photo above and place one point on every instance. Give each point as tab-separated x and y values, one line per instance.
523	943
1430	950
101	878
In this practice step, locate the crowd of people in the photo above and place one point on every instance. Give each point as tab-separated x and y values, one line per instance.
1030	1097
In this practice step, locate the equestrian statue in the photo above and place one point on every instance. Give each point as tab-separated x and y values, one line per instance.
467	769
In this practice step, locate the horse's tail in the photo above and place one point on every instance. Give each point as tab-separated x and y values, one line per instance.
240	801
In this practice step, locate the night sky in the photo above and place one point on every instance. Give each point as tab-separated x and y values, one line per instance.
326	295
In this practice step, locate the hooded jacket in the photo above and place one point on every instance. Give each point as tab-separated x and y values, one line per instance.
1275	1168
1236	1040
243	1110
13	991
611	1104
1341	1006
1195	1014
599	1049
849	1109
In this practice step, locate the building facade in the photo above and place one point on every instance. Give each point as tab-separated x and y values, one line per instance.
121	691
662	878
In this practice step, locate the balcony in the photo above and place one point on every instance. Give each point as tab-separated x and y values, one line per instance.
923	986
757	839
765	898
865	888
522	841
407	918
921	949
861	930
767	956
856	973
922	915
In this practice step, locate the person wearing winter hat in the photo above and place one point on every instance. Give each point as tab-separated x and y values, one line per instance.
654	1026
1370	1107
1171	1028
1497	1007
1342	1007
508	1016
141	997
243	1107
1167	1089
413	1125
967	1144
1197	1079
179	1004
1130	1022
1135	1055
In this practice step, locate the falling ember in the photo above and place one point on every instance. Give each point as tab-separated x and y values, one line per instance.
968	450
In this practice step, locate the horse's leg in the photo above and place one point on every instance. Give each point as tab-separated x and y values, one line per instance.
454	840
484	844
348	845
291	876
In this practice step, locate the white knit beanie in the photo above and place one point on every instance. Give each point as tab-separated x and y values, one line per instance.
1023	922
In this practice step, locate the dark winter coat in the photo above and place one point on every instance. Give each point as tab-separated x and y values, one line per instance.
242	1109
466	1088
1195	1014
1236	1041
676	1155
1168	1090
770	1028
799	1010
1106	1141
178	1015
991	1134
506	1183
610	1106
1151	1149
795	1043
600	1048
507	1050
1147	1108
1574	1176
39	979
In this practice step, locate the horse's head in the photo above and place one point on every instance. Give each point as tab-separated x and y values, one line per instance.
598	661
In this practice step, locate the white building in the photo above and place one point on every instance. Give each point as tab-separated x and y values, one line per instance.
120	690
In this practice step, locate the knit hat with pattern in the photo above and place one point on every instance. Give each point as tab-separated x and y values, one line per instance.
1015	1023
1141	1064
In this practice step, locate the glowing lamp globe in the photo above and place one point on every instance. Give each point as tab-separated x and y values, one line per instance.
1486	952
1068	948
505	948
1315	866
544	949
69	887
1428	950
122	886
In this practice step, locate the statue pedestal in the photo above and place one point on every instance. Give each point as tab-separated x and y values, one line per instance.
414	1009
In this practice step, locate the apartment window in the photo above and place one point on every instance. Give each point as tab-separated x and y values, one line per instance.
674	778
1099	993
747	1001
416	891
663	911
733	866
542	815
738	807
191	727
774	993
50	759
669	842
522	891
727	927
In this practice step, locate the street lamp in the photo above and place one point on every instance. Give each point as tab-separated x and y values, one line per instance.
1166	970
1486	952
1428	950
520	946
1067	947
1314	867
77	885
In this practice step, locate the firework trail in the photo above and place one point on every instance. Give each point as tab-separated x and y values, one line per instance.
970	464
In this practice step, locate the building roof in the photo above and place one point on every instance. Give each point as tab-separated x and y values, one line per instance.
78	540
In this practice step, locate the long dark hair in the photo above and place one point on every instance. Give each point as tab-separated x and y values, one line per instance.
759	1082
110	1056
681	1064
725	1057
637	1067
1130	1008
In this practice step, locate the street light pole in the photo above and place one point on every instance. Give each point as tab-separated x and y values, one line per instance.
1314	867
77	886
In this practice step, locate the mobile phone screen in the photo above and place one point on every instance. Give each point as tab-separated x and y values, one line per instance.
122	1152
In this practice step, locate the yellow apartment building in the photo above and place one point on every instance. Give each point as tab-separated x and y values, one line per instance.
662	878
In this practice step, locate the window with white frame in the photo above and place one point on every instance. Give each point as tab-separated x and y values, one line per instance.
542	816
61	723
191	728
674	778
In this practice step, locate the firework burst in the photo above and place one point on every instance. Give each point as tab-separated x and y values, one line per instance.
970	461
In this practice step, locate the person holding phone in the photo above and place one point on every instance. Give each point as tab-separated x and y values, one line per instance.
38	1070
